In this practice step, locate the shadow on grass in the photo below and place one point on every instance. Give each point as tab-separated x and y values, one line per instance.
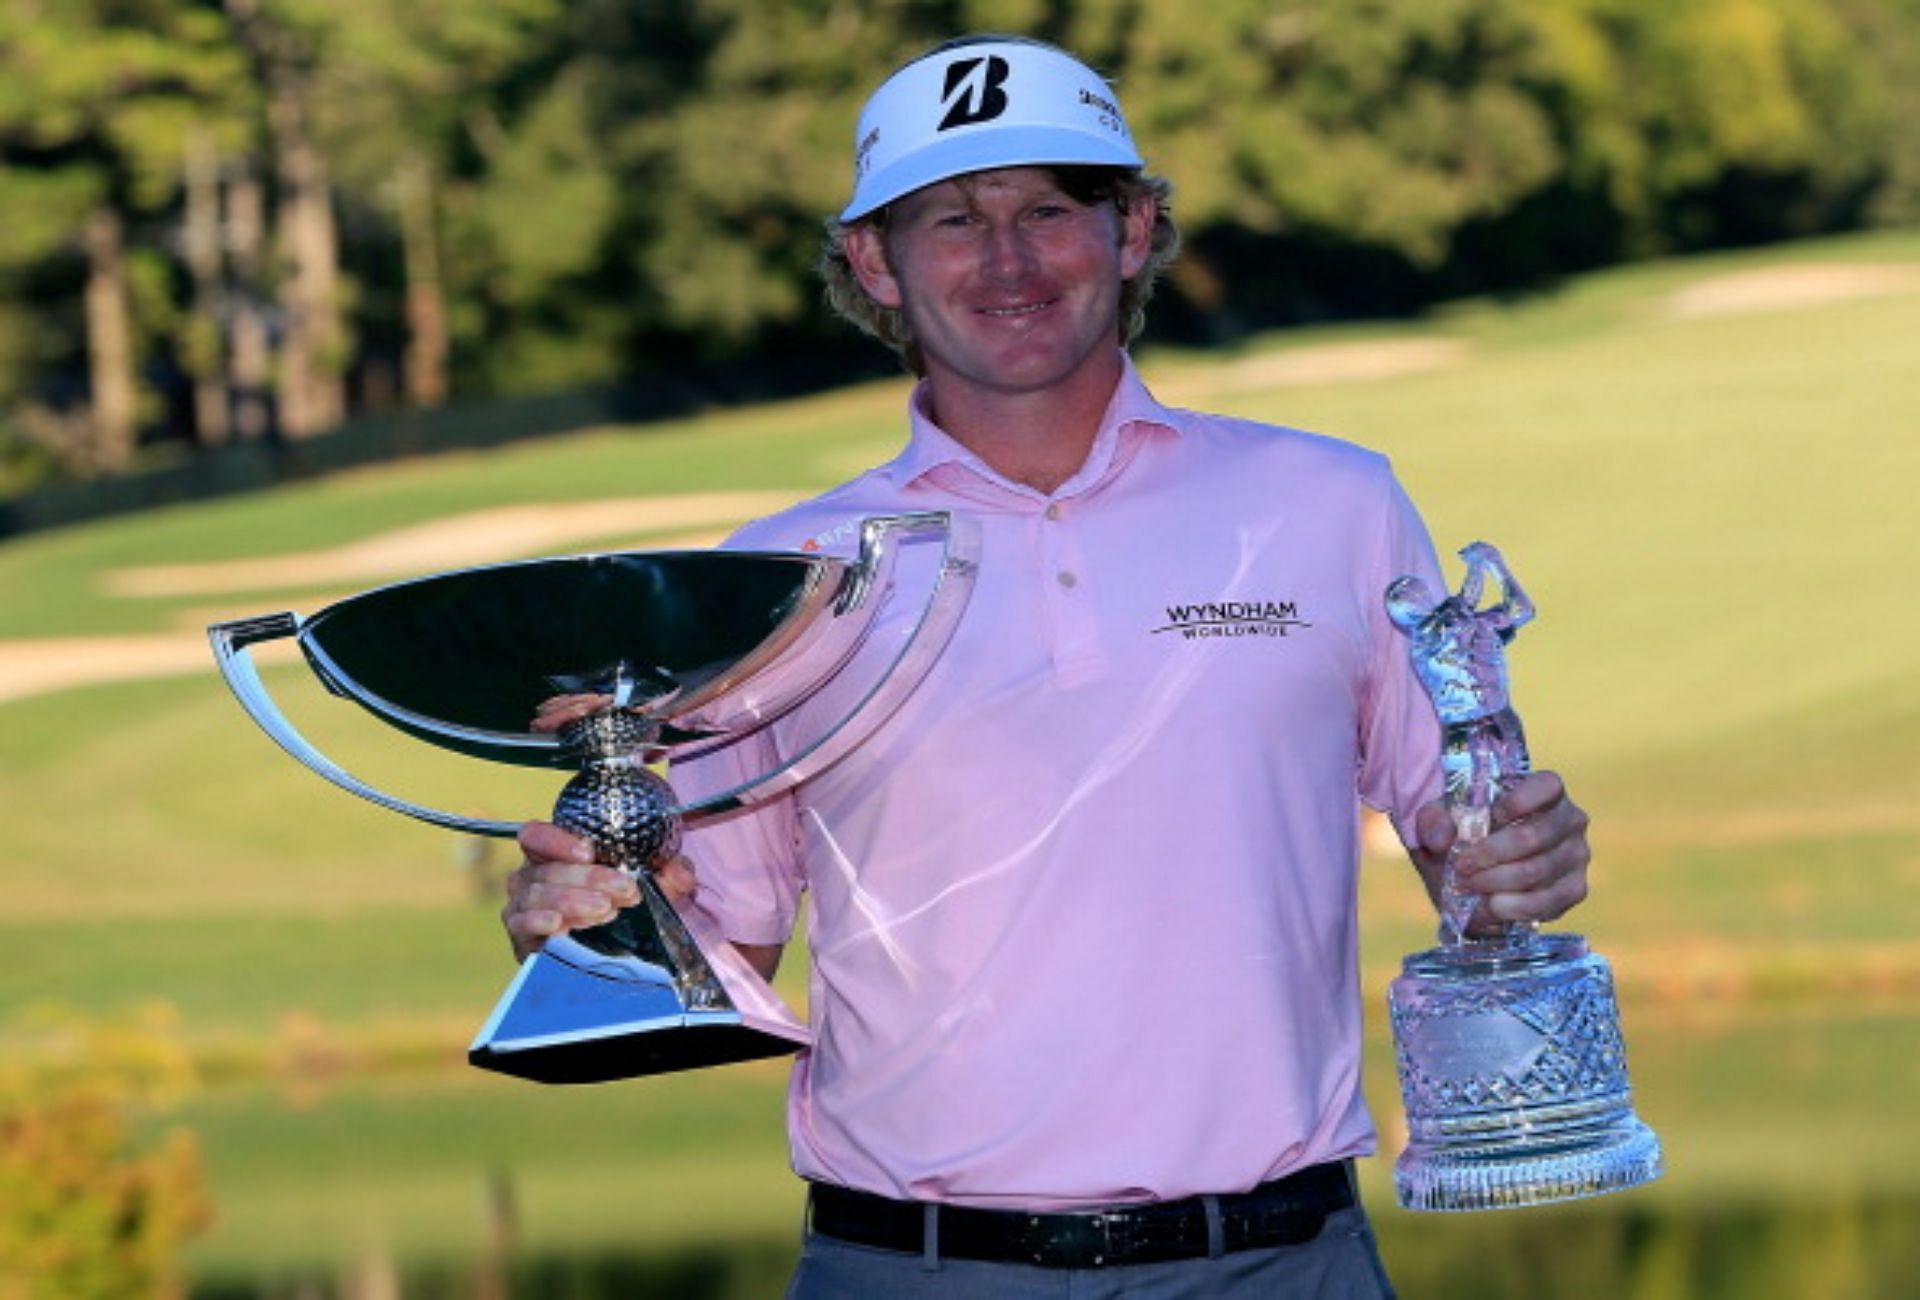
1647	1248
751	1270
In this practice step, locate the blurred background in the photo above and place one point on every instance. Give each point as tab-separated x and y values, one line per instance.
302	296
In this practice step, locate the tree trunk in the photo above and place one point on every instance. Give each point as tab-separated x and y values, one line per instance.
313	348
427	345
250	361
205	341
110	360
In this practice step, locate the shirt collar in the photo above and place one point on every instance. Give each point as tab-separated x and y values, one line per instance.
930	448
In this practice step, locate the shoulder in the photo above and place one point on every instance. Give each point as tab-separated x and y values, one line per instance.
1314	461
829	522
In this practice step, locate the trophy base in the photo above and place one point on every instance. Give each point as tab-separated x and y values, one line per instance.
1514	1075
1624	1154
690	1045
568	1021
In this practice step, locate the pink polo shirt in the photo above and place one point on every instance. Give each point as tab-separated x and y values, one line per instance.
1083	924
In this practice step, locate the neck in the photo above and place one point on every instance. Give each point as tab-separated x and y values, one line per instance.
1040	438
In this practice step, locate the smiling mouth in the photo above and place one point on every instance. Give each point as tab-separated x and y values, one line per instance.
1013	313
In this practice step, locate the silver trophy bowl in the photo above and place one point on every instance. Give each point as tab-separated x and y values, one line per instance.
610	666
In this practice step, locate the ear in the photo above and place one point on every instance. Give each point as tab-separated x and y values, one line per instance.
1136	235
867	254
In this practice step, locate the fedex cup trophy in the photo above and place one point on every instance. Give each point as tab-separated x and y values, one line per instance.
609	664
1511	1061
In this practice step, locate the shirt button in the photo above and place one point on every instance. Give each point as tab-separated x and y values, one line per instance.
1053	511
1066	578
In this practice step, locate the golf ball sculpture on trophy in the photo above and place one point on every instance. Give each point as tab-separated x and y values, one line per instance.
612	664
1511	1061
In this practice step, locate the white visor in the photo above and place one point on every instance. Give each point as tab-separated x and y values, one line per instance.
995	104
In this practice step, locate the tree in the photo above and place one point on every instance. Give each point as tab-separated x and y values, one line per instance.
313	336
750	152
90	1214
96	103
291	197
1672	110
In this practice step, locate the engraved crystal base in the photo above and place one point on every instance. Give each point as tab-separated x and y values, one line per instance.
1515	1078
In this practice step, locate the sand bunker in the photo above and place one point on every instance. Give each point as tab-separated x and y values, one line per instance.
57	663
1342	363
1784	288
35	667
1324	363
459	541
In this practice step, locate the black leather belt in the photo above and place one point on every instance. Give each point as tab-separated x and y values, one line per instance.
1284	1212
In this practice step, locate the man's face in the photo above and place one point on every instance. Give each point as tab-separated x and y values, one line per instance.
1009	284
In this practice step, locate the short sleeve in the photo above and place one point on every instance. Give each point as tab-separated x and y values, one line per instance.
747	860
1399	734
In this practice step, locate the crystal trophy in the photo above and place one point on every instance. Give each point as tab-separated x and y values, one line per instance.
1511	1061
610	665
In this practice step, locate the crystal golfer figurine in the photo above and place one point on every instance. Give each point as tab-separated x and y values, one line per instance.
1511	1061
608	665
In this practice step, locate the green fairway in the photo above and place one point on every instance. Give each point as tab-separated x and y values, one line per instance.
406	1168
1699	469
56	582
405	1163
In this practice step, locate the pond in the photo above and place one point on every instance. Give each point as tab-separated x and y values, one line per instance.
1790	1138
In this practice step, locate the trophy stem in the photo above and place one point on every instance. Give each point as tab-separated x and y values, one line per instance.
1472	820
635	995
1456	904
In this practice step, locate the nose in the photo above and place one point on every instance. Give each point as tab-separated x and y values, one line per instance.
1007	253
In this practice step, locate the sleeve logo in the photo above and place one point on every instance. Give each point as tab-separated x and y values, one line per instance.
832	538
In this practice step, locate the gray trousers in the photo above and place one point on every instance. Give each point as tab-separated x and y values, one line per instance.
1342	1263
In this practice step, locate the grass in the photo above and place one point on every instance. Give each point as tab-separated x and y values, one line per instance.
404	1165
1712	513
54	579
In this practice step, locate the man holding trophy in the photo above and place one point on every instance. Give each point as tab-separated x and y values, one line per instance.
1083	969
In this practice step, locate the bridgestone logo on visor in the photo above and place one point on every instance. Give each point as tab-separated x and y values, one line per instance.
973	92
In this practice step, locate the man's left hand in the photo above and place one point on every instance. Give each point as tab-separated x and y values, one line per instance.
1531	867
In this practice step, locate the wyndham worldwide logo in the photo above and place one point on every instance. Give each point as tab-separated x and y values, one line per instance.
1232	618
975	91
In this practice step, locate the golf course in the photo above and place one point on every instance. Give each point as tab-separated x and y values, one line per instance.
1703	470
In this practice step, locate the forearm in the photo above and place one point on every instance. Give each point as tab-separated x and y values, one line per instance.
763	957
1432	869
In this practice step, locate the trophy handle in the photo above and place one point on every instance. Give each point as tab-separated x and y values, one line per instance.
880	540
231	642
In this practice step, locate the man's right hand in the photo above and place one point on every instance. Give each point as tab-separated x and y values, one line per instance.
561	887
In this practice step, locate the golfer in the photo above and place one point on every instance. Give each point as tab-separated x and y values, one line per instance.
1082	929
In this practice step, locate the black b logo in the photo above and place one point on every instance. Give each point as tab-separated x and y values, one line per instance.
973	92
